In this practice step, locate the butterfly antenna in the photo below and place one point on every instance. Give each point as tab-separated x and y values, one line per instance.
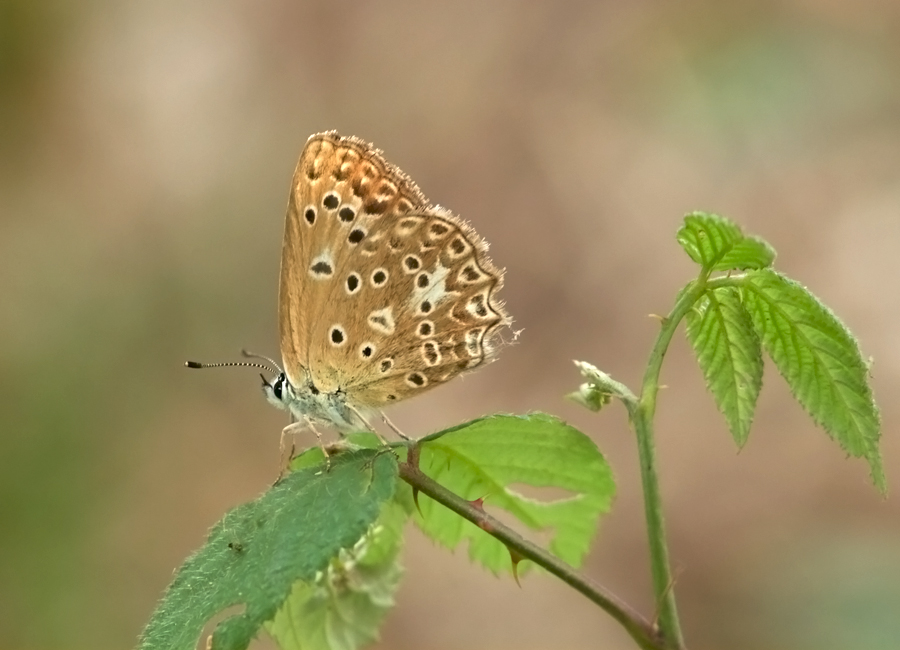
236	364
253	355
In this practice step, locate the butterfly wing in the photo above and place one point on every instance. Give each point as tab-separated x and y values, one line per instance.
340	187
382	296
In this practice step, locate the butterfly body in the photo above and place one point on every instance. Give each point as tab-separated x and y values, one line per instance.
307	403
382	295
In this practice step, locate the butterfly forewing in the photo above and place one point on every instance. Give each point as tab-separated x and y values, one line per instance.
382	295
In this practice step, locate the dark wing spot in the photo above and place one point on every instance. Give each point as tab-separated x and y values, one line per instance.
379	277
438	229
337	336
412	263
457	246
425	307
322	268
422	280
346	214
431	353
415	378
425	328
471	274
375	205
367	351
310	216
352	282
355	236
387	364
330	201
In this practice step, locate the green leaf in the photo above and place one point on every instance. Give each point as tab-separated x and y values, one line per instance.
728	350
484	458
256	553
344	607
718	244
748	253
821	362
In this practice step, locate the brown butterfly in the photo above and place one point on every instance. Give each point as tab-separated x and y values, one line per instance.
383	295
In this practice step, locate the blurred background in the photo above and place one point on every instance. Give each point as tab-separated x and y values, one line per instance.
146	151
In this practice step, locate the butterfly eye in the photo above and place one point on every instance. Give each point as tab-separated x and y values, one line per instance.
278	386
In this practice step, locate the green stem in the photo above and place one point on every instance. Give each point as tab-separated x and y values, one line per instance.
641	630
642	414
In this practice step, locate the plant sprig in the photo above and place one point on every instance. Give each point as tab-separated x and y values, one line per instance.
315	560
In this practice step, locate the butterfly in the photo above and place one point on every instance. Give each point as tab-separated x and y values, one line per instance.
382	295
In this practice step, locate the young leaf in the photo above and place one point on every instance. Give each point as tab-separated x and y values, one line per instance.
717	244
345	605
728	350
599	389
256	553
821	362
748	253
484	458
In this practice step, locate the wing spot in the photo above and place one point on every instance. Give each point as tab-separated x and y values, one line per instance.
416	379
379	277
438	230
469	274
338	336
356	235
347	214
431	353
382	320
321	267
477	307
412	263
458	247
310	215
331	200
366	350
352	283
425	329
386	365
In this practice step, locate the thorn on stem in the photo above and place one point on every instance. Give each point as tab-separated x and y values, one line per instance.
416	500
515	558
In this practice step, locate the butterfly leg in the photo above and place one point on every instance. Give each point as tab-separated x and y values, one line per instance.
394	427
312	428
368	425
291	430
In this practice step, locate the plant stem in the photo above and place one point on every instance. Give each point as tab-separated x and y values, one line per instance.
642	415
641	630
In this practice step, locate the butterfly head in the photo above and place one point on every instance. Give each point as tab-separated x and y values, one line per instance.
279	392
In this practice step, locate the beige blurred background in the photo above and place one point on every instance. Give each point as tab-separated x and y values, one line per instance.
146	151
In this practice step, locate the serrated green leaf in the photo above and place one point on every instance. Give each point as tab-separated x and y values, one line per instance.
706	238
729	354
718	244
821	361
484	458
748	253
256	553
344	607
